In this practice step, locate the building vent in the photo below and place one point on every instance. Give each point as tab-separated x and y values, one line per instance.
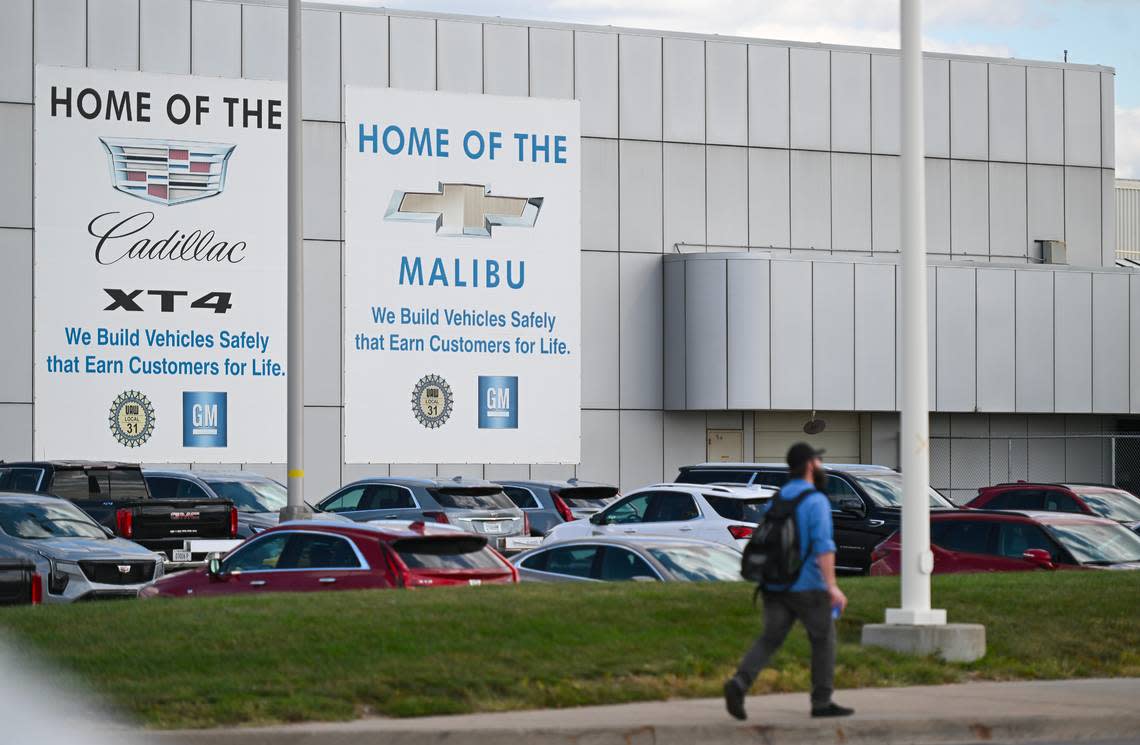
1053	252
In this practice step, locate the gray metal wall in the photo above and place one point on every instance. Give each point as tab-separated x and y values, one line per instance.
1128	219
689	139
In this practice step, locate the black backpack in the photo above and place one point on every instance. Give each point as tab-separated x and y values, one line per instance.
772	555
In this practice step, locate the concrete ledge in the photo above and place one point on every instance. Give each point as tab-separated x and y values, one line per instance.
953	642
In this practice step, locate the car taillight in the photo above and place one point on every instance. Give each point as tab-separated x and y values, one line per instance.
561	507
233	522
124	523
400	574
740	532
439	517
37	589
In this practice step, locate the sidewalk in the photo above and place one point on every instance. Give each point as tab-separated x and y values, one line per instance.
972	712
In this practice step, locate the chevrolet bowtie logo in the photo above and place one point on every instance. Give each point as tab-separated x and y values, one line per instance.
464	209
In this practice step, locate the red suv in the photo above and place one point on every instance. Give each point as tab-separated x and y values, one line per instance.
306	556
991	541
1087	499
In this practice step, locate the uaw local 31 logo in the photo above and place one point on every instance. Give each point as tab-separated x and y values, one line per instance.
432	401
167	171
131	419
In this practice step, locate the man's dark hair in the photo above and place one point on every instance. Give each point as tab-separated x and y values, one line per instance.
799	456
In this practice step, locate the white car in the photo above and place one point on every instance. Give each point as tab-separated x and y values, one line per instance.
712	512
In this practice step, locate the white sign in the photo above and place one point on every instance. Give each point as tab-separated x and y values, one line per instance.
159	267
462	278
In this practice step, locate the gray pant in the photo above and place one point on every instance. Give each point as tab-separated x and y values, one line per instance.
781	610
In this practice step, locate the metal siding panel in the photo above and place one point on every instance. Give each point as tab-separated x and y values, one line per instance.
749	363
810	98
320	65
411	52
639	321
726	93
16	56
684	203
1082	215
684	90
1033	341
552	63
833	336
1044	115
321	161
874	337
769	195
215	39
600	350
885	109
600	447
640	196
674	334
1107	219
969	208
600	195
1082	118
936	106
639	87
706	329
61	32
596	82
1007	210
642	444
1007	112
886	195
1110	343
17	310
685	441
459	56
791	335
956	339
323	335
364	49
164	36
768	98
937	206
1045	193
851	101
16	434
1073	331
323	437
16	124
726	196
1107	120
969	118
850	202
505	60
264	43
996	342
109	22
811	200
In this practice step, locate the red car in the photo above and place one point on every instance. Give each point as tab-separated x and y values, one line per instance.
306	556
1079	499
992	541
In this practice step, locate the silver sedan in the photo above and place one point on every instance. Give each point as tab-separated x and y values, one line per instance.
638	558
75	557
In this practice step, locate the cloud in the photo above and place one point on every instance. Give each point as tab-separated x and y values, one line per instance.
1128	142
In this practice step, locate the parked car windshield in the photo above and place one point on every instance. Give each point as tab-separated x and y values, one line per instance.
588	497
744	510
473	498
1097	543
699	563
251	496
446	553
1113	505
35	520
885	488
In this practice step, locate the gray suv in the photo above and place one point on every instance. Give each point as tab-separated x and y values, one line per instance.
551	503
476	506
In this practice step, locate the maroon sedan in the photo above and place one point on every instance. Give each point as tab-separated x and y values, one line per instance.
1079	499
991	541
306	556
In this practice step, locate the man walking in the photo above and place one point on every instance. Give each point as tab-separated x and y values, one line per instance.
812	598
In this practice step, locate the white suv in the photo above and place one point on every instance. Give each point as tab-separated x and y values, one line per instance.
712	512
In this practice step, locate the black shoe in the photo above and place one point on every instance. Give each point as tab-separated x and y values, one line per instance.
831	710
734	698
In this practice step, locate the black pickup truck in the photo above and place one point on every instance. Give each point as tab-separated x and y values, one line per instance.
116	495
19	584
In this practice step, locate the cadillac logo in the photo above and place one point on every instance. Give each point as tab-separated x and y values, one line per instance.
123	568
167	171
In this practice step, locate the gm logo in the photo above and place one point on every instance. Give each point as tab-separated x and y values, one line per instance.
204	419
463	209
498	402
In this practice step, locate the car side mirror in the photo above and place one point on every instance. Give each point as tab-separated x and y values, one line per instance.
214	567
107	531
1039	557
852	506
597	519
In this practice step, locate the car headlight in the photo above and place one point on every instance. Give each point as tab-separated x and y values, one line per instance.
59	573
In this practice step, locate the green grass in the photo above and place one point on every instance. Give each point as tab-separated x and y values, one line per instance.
206	662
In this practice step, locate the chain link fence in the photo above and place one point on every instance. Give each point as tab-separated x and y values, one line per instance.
959	466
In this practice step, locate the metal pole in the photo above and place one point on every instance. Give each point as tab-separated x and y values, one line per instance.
917	561
296	508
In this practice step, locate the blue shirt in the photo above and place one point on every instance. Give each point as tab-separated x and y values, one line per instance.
813	521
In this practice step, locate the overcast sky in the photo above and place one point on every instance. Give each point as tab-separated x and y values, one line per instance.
1100	32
